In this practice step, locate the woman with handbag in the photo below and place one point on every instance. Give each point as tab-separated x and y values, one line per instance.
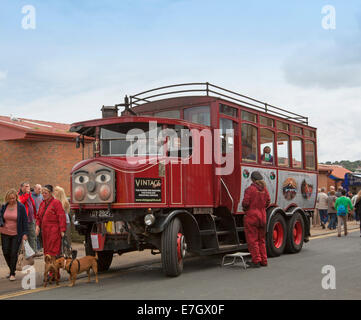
13	229
52	222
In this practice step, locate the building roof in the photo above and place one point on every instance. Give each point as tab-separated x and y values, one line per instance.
336	171
12	128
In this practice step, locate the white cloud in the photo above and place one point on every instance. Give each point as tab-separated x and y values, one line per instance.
3	75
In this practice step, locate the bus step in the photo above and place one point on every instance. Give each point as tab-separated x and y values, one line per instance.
207	232
220	233
208	251
227	247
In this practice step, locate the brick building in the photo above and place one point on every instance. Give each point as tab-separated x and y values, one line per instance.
38	152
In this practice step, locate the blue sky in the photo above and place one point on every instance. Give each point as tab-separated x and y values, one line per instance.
83	54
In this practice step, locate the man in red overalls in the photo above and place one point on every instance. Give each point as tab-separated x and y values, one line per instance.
256	200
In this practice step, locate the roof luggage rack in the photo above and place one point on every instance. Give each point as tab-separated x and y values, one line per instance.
208	88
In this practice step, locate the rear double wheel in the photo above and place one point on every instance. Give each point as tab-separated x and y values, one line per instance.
173	248
295	233
276	236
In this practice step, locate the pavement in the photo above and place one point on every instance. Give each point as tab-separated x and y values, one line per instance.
123	262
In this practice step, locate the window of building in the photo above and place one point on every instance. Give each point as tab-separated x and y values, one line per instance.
248	116
283	149
297	152
227	140
199	115
227	110
175	114
267	146
296	130
310	155
282	125
249	143
309	133
266	121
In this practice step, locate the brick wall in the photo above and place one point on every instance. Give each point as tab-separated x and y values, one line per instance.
44	162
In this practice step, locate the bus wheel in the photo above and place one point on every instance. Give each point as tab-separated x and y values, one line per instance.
295	233
276	236
173	248
105	259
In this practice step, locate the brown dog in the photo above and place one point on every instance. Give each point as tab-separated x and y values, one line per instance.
51	266
76	266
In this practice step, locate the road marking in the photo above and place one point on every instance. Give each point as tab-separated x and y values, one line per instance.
66	282
62	285
330	235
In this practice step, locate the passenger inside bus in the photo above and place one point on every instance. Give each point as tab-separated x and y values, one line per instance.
247	153
267	157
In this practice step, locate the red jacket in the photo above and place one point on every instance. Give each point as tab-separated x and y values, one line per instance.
256	200
23	198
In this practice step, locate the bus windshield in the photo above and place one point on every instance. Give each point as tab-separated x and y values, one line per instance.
130	139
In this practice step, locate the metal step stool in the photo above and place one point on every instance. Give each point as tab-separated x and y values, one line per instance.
235	256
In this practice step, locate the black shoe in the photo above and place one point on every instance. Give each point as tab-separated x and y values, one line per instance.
251	264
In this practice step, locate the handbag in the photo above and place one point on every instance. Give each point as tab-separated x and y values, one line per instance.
29	252
22	261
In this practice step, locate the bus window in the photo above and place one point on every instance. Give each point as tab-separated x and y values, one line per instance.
309	133
249	143
199	115
282	126
248	116
126	139
175	114
296	130
267	146
179	141
227	110
266	121
226	140
297	152
310	155
282	149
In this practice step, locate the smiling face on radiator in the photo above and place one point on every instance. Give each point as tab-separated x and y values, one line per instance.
93	183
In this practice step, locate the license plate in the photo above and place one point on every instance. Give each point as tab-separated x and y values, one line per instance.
101	214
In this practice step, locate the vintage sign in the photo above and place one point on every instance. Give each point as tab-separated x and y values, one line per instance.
147	190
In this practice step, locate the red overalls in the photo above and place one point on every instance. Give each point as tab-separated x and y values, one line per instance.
52	222
256	200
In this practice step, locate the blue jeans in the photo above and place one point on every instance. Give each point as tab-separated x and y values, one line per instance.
333	221
323	216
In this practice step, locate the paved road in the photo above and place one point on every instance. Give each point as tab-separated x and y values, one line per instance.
291	276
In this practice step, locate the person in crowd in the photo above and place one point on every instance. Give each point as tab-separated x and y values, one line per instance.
256	200
332	188
13	229
38	198
59	194
316	215
266	156
339	192
27	200
331	211
358	208
343	205
51	221
322	199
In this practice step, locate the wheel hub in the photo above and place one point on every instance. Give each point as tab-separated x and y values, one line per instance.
181	246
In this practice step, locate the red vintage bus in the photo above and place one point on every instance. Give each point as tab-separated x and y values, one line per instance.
169	174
